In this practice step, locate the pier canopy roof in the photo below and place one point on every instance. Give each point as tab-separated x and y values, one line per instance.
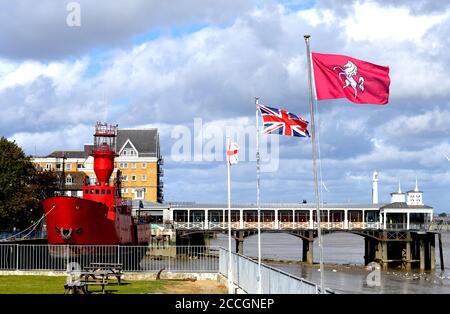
305	206
403	207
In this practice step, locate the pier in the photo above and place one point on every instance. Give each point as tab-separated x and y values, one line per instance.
395	235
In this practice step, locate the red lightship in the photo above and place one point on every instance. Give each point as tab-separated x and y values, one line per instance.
102	216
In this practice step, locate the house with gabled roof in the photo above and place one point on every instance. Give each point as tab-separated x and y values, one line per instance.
138	159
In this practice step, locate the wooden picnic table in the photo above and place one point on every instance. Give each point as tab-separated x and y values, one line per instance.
81	284
112	269
75	288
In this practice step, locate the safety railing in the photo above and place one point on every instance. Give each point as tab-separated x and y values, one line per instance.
215	225
339	225
419	226
245	273
286	225
396	226
133	258
372	225
356	225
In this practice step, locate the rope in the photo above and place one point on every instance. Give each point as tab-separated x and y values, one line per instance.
32	227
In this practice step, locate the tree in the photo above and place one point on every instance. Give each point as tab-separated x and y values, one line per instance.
443	215
22	187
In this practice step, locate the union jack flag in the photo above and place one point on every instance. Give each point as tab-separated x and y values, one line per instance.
279	121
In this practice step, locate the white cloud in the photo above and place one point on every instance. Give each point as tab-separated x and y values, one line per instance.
63	74
317	17
215	72
43	143
373	22
420	125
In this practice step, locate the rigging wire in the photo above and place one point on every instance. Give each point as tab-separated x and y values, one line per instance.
32	227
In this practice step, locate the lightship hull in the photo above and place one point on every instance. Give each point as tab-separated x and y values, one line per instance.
77	221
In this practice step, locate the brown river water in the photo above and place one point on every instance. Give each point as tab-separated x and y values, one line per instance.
344	259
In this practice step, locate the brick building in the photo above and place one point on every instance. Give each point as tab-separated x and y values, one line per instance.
139	161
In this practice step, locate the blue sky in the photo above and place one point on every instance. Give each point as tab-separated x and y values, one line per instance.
155	64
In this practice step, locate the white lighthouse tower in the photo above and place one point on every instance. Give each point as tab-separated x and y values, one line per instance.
375	188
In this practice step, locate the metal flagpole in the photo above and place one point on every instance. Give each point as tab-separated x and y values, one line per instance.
230	272
257	196
314	156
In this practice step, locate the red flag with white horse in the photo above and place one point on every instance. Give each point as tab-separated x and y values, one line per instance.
361	82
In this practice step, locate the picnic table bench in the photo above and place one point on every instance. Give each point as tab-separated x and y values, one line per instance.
85	279
75	287
111	269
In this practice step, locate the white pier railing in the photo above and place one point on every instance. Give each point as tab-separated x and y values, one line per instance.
273	281
201	259
305	225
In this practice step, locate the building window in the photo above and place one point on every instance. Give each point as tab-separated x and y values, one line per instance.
133	165
69	180
124	153
139	193
69	167
124	178
124	165
124	190
144	165
133	178
58	166
48	166
144	178
79	166
131	152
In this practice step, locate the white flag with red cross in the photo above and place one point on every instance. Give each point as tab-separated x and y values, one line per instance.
232	153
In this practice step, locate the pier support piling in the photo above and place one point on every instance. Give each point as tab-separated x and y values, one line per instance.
308	246
239	236
408	256
422	254
369	250
433	251
441	255
384	255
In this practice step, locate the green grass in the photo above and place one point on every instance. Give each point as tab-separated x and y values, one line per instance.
55	285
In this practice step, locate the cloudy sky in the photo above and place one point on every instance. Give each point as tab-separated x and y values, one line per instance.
163	64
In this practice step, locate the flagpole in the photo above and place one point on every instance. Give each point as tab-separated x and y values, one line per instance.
258	195
314	156
230	272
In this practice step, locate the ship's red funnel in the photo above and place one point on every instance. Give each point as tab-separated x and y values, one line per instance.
103	165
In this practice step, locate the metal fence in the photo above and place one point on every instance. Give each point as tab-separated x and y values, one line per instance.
199	259
274	281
